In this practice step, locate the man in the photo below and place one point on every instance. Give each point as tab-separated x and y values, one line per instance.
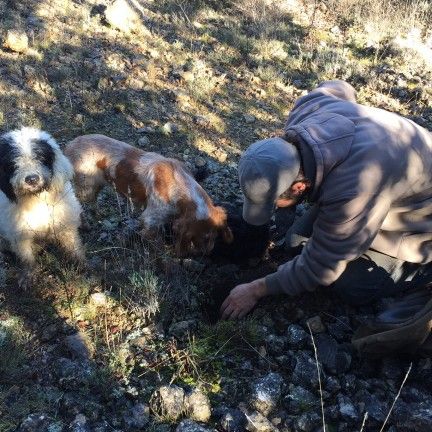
368	173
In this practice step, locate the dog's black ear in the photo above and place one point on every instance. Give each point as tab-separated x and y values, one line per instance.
44	153
7	167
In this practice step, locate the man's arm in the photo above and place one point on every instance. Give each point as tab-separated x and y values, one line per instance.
344	229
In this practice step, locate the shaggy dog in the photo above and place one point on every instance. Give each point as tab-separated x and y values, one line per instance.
37	200
164	187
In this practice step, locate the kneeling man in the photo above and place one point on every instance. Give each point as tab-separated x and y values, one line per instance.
368	176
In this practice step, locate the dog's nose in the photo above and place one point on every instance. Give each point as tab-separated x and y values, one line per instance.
32	179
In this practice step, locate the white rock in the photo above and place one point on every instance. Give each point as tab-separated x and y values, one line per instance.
16	41
197	406
121	16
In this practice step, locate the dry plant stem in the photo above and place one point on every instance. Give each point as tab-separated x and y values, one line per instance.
319	379
364	421
396	398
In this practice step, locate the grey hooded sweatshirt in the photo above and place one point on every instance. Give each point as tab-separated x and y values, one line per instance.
372	185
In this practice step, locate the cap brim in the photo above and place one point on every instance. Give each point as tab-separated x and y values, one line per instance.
257	214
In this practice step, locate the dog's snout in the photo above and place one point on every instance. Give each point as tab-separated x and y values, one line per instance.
32	179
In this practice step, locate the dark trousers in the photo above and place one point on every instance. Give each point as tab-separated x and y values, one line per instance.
368	278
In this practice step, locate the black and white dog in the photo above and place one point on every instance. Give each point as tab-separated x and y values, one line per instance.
37	200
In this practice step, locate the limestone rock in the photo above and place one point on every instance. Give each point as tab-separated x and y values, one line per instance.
121	16
16	41
167	402
197	406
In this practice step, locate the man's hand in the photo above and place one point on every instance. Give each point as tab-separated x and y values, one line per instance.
242	299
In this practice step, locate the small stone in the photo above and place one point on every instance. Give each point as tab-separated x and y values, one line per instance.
249	118
29	71
334	359
79	424
308	422
296	336
98	299
144	141
190	426
188	76
193	265
256	422
315	324
16	41
305	371
49	332
200	162
347	410
182	328
169	128
299	399
221	155
138	417
167	402
232	420
276	344
266	392
147	130
121	16
372	405
197	406
34	423
80	346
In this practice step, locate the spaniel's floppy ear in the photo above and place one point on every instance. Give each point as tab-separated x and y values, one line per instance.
220	220
182	238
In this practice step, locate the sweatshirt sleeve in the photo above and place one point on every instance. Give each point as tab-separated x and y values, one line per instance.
343	230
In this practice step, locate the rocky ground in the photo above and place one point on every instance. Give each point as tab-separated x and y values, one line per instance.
133	343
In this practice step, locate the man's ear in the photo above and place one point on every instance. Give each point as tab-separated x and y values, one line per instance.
300	187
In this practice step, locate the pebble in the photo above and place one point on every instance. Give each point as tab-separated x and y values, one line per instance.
197	406
49	332
80	346
249	118
334	359
193	265
34	423
347	410
138	416
308	422
16	41
121	16
167	402
230	419
315	324
147	130
169	128
79	424
299	399
266	392
305	371
200	162
276	344
296	336
182	328
190	426
98	299
144	141
256	422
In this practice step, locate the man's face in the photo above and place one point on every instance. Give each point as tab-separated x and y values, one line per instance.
293	195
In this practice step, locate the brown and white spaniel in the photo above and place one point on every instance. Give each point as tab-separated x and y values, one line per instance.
164	187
